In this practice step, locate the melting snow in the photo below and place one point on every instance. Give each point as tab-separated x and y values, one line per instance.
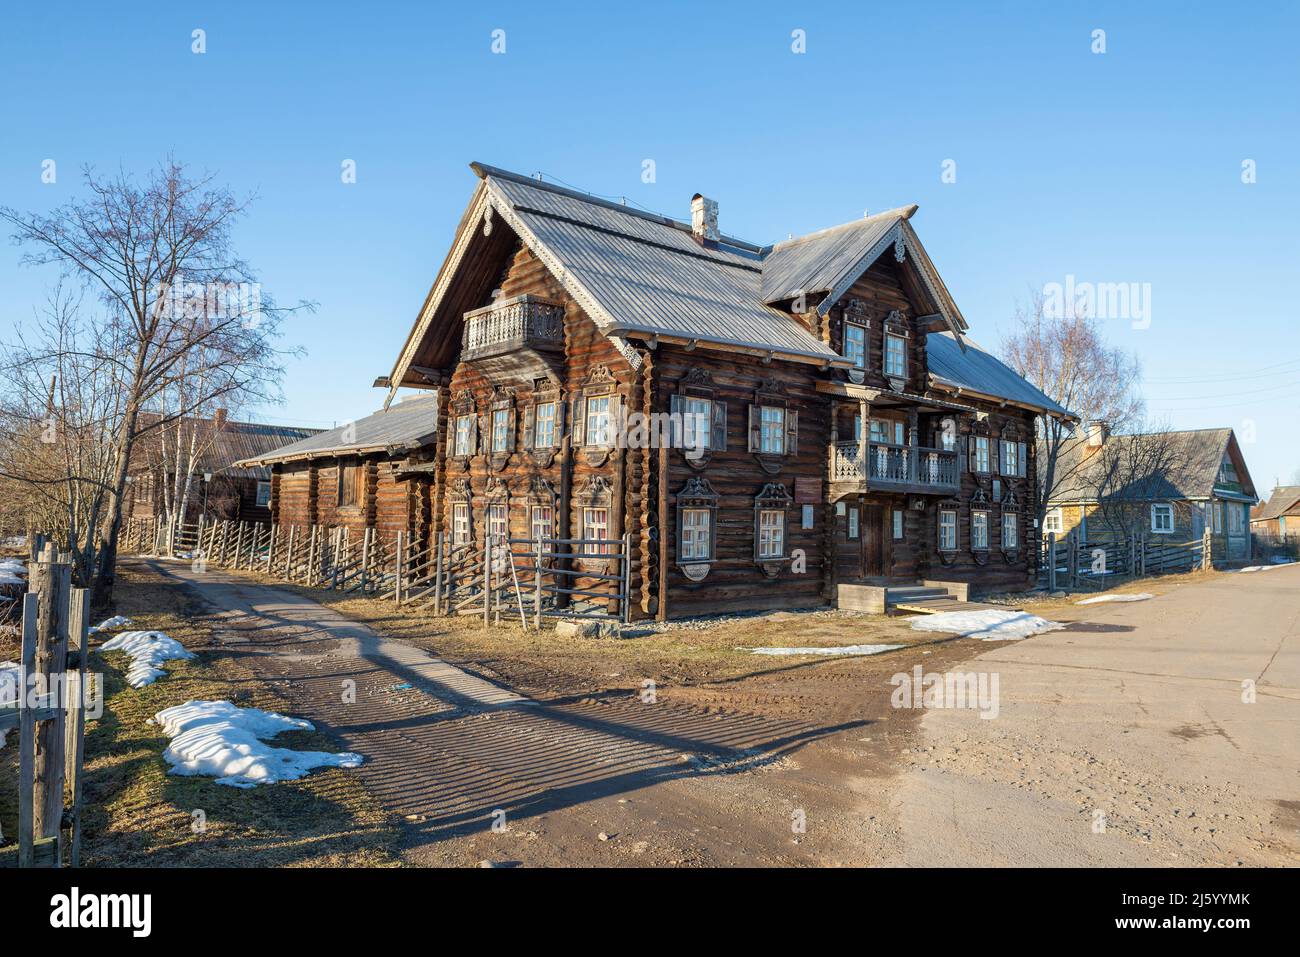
217	739
832	650
1098	599
989	624
111	624
10	673
1265	568
148	650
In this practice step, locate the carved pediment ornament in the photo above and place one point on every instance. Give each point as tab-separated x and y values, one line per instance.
461	490
900	247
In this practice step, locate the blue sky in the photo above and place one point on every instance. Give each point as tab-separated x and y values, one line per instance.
1117	167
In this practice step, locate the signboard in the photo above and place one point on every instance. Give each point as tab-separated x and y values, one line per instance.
807	491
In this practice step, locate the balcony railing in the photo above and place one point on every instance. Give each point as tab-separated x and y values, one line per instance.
895	466
511	323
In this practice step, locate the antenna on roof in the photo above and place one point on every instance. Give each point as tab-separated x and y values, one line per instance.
866	214
538	176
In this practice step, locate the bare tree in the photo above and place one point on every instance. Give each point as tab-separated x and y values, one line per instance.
1068	359
1130	472
180	306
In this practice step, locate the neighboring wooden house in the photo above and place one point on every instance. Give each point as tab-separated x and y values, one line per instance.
1171	485
221	482
1279	517
818	414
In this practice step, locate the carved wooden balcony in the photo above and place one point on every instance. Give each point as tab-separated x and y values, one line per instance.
514	336
896	468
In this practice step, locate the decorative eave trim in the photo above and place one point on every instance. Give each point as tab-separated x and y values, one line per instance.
604	321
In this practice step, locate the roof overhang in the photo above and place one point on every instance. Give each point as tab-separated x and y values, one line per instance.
341	451
958	390
652	338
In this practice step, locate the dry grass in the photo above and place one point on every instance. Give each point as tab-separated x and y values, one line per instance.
138	815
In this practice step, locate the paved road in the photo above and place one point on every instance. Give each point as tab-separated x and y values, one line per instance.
1137	715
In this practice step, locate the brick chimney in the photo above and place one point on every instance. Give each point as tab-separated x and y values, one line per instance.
219	420
1095	434
704	218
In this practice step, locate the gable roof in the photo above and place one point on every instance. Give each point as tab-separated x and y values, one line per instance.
1281	502
1196	454
973	369
227	450
403	427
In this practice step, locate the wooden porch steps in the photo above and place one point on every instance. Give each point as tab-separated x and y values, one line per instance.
935	606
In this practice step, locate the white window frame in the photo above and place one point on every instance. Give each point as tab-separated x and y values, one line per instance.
1012	519
771	534
898	525
1009	459
1162	508
1053	521
500	430
460	523
597	425
595	527
697	422
854	518
771	430
461	447
981	453
858	351
947	529
541	523
895	355
697	535
544	425
979	529
498	521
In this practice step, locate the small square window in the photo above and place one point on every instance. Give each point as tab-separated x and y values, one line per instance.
1053	522
263	494
1162	519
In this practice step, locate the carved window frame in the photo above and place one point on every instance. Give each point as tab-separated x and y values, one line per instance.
772	497
541	494
463	405
896	325
461	494
697	494
770	394
857	314
947	556
600	383
597	492
503	401
544	391
698	384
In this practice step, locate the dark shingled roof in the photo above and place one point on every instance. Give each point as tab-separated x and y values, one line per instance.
404	426
980	371
1196	457
1281	502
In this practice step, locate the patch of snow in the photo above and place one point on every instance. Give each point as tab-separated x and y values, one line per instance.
7	578
148	650
988	624
1267	568
1098	599
111	624
10	679
218	739
832	650
14	565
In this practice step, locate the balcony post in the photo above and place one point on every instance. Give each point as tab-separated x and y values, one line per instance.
864	410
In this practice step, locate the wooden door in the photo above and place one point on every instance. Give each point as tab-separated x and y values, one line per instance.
873	540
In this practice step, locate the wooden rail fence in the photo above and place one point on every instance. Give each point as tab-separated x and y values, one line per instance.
1072	563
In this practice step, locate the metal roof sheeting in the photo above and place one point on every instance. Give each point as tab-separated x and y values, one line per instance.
814	263
1191	468
980	371
404	425
1283	499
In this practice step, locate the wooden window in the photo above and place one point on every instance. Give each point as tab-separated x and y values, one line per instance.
895	356
500	430
542	523
697	423
697	537
1162	519
498	522
1009	460
460	523
1010	531
898	524
1217	509
1053	521
544	425
348	482
263	494
464	425
853	521
855	344
979	529
595	527
772	430
887	431
1235	512
597	430
948	529
948	435
771	533
979	453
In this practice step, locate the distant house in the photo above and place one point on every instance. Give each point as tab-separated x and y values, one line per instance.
220	486
1279	517
1171	484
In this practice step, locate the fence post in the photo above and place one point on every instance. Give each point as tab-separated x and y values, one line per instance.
52	582
27	736
1051	561
487	577
75	748
627	578
1207	551
537	584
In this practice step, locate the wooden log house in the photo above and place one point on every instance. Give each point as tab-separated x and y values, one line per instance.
766	423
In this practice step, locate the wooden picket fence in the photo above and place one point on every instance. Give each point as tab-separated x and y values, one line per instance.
49	715
1071	563
493	578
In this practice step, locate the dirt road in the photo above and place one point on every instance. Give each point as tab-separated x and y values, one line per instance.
1129	739
1136	713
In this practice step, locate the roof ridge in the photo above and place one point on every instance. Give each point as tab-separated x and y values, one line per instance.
898	212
